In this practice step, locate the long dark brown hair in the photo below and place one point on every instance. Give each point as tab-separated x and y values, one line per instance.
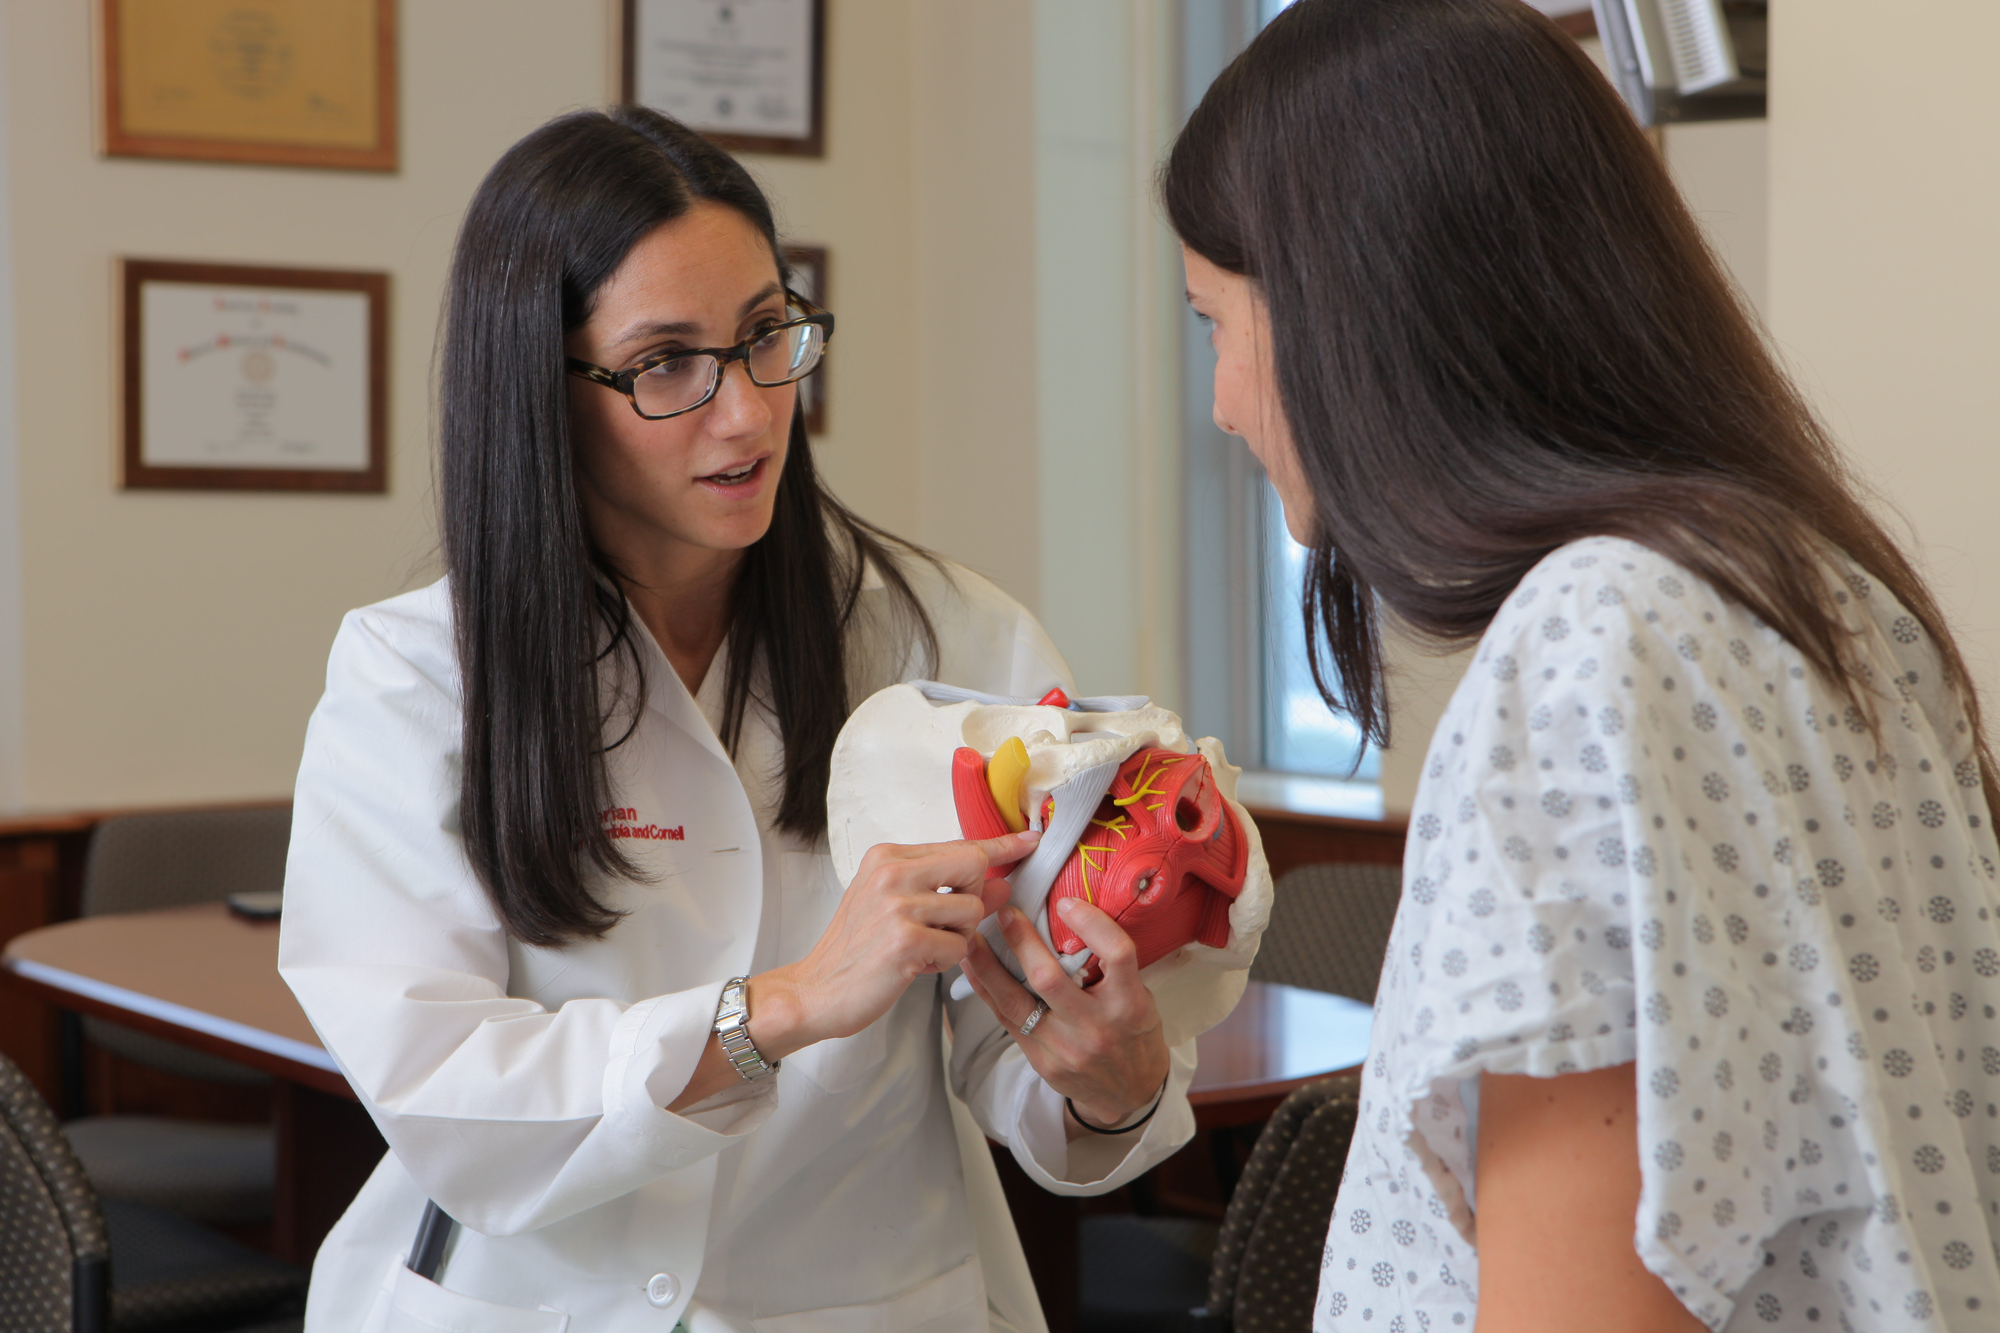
1496	330
535	603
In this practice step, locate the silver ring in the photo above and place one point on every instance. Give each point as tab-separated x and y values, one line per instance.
1033	1019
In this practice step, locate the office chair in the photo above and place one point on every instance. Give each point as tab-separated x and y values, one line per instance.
214	1172
1265	1274
1330	928
1261	1266
75	1265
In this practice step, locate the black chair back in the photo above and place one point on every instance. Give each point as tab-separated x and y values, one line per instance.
52	1233
1330	928
172	858
140	863
1265	1275
58	1241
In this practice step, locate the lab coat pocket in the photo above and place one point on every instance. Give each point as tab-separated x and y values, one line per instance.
811	892
418	1305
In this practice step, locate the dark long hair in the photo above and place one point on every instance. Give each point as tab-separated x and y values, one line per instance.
535	603
1497	330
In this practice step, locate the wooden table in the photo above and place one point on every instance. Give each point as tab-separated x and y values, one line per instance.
1277	1039
41	876
206	979
41	881
203	978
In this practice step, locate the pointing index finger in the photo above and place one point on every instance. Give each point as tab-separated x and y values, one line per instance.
1008	847
1008	850
957	867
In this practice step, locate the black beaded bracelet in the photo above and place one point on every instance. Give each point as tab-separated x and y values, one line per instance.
1158	1097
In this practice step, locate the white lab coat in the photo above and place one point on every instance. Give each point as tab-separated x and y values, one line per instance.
522	1088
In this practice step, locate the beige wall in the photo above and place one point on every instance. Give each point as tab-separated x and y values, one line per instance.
970	365
1885	184
860	201
173	644
1723	169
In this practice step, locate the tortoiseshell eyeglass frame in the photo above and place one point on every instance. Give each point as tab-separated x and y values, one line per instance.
625	381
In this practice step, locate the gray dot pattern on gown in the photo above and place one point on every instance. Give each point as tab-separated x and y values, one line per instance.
1649	832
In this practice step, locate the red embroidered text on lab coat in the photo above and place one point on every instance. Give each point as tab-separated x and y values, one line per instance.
622	822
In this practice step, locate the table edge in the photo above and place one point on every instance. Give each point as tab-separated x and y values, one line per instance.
286	1057
1250	1103
1222	1093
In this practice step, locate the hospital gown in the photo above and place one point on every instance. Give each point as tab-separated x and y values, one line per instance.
1649	832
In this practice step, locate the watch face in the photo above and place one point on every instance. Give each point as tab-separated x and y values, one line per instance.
732	1007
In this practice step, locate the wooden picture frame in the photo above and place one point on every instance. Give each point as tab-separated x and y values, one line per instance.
301	83
809	279
179	314
810	144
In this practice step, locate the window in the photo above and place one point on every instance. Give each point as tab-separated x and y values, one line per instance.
1301	735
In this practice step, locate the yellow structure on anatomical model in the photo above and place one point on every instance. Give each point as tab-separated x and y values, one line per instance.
1006	774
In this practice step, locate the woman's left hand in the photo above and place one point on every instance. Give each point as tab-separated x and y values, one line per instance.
1102	1048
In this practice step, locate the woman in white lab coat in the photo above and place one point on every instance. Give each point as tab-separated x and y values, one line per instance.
553	804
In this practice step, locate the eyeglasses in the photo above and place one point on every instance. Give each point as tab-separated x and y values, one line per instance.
674	382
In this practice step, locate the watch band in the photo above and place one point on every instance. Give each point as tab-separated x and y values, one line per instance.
731	1015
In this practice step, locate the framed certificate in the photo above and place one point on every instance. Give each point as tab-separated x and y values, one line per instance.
808	265
266	379
306	83
746	73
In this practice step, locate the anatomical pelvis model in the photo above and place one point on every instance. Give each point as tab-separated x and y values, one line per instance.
1135	818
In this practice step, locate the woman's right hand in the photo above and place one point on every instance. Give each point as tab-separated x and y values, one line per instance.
892	926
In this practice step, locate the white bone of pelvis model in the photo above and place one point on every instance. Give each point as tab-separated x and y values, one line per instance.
891	782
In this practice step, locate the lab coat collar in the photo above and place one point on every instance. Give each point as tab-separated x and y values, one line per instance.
667	696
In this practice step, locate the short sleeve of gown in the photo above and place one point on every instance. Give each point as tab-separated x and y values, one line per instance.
1606	872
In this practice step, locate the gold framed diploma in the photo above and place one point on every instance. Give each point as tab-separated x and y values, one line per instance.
748	74
245	378
808	265
306	83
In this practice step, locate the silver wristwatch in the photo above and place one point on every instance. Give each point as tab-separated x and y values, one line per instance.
731	1015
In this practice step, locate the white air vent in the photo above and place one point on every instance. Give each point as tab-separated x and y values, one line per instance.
1698	43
